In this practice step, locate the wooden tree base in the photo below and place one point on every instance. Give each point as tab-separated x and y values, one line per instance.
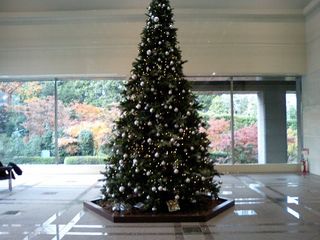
217	207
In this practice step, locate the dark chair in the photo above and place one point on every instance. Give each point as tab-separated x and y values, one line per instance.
7	174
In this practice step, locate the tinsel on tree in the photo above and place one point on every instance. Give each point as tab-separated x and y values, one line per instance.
159	153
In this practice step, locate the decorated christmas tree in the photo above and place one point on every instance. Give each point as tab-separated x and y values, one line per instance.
159	160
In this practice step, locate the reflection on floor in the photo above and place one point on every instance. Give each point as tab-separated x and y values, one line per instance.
46	203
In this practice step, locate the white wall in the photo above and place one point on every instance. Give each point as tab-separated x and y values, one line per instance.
225	41
311	88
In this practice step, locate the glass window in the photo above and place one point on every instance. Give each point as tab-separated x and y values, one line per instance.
86	111
245	128
292	134
26	122
216	113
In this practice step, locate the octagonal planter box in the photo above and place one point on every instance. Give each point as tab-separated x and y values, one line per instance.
217	207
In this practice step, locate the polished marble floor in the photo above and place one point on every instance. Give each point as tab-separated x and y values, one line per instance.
46	204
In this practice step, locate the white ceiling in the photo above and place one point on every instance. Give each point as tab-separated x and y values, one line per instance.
101	36
74	5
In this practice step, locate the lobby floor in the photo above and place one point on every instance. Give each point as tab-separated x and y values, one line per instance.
47	204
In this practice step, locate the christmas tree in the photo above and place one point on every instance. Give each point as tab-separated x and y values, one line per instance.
159	158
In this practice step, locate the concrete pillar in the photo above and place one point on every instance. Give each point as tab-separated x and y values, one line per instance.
272	126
